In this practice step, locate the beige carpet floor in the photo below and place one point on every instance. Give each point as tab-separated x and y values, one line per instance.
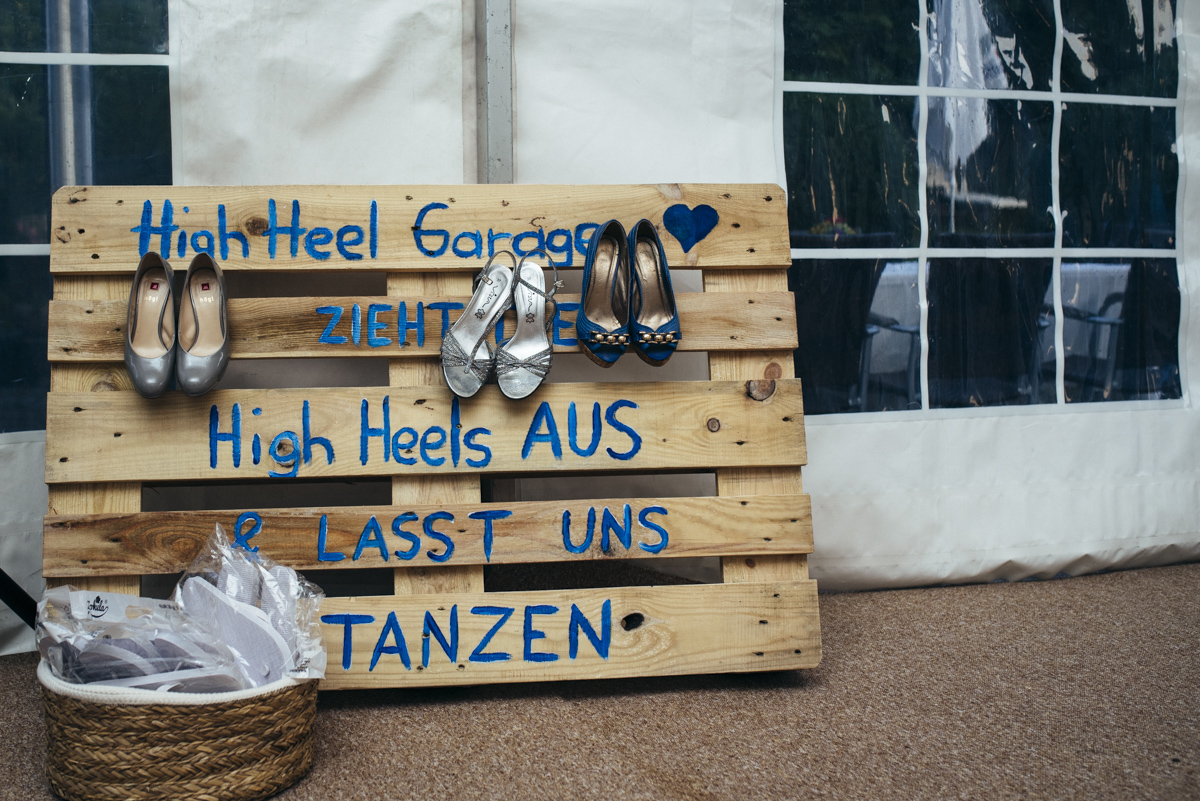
1084	688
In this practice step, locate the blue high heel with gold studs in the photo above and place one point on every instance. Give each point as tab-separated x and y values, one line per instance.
602	323
653	318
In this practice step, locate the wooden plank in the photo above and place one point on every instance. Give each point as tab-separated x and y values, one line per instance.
272	328
650	631
499	533
119	436
86	499
104	229
766	367
424	579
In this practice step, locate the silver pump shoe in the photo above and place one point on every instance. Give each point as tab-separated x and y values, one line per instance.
203	327
150	327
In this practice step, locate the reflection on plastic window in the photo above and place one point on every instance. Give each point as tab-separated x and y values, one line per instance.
856	320
851	170
131	125
1124	47
24	371
24	155
990	44
127	26
860	41
1118	177
991	331
23	26
989	173
1121	329
89	26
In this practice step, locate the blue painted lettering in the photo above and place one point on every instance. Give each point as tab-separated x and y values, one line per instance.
164	229
398	529
404	447
327	336
572	431
241	539
469	441
374	325
419	233
392	627
566	531
372	535
431	630
650	524
487	516
445	307
202	242
285	451
404	325
310	440
610	415
317	237
234	437
322	554
532	634
367	432
504	613
274	229
225	235
623	530
433	439
348	621
427	526
349	236
580	622
543	416
560	324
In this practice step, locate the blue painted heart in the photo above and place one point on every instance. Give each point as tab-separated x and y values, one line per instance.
690	226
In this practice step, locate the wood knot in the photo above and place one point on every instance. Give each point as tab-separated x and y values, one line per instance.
714	425
760	390
773	371
255	226
62	236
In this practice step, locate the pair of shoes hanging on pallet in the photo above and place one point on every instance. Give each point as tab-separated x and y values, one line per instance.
520	364
628	300
192	348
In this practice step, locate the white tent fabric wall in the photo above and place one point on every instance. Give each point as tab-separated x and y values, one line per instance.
23	500
309	92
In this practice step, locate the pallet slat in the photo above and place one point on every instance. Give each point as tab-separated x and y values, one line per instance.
650	631
499	533
119	436
104	229
272	328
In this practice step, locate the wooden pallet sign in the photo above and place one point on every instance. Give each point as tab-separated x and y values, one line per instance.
442	625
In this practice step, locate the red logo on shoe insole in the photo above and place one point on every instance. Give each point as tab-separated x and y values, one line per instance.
204	287
154	285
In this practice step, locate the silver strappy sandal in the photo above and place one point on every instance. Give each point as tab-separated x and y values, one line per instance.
465	369
523	361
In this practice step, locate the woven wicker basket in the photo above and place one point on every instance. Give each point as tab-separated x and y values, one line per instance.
110	743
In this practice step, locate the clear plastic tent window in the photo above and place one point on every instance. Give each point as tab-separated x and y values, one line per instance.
1021	195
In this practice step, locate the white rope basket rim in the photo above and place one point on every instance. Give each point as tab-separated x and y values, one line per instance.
126	696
